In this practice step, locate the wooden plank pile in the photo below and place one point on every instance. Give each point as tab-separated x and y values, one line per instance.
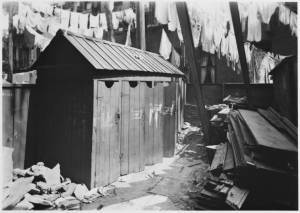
260	156
41	188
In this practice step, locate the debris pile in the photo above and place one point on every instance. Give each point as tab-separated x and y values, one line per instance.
255	167
40	188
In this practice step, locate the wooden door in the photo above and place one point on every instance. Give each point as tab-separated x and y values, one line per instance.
169	117
133	127
107	156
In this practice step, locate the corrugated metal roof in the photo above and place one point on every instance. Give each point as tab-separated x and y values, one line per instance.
104	55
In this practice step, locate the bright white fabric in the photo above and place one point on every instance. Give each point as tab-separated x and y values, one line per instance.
165	46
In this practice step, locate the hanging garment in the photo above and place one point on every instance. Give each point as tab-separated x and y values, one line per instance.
65	18
103	21
206	37
115	21
94	21
42	24
53	26
74	22
129	16
98	32
284	15
266	10
5	24
83	23
32	18
247	52
128	37
172	16
175	58
293	23
89	32
15	23
161	11
23	9
165	46
254	24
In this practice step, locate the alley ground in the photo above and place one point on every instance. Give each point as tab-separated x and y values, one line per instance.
163	186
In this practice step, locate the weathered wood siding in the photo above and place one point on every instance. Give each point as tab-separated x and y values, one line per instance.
15	104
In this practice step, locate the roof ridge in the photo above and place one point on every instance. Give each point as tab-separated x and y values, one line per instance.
69	33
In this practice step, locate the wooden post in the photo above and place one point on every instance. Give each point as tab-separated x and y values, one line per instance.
10	46
235	15
140	28
191	55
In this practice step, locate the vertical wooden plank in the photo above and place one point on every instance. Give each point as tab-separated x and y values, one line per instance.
147	120
141	125
166	117
96	117
134	130
20	125
101	153
160	121
114	141
7	116
125	126
172	124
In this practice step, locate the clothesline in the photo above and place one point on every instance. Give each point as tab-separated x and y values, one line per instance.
40	18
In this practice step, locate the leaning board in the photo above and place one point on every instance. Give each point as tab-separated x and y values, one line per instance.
264	133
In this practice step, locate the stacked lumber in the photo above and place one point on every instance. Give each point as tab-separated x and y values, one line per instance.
41	188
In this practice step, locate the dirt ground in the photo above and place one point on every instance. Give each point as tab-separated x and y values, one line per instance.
163	186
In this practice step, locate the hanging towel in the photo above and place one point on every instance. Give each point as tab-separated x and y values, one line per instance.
129	16
83	22
254	24
293	23
284	15
172	16
266	10
165	46
103	21
175	58
128	36
65	18
74	22
94	21
32	18
115	21
23	9
98	32
53	26
161	11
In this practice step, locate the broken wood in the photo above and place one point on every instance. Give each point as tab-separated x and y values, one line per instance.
236	197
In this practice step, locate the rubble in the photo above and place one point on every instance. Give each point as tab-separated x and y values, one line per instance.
41	188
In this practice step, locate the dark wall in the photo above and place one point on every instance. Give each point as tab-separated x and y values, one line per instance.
60	126
286	88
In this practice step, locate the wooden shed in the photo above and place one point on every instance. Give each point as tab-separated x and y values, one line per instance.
101	109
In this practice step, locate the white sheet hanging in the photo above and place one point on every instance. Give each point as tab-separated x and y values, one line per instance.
74	22
165	46
254	24
161	11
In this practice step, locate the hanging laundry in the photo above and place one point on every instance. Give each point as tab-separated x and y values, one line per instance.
83	23
247	52
15	23
128	37
293	23
74	22
254	24
42	23
266	10
65	18
43	7
206	37
175	58
284	15
255	62
115	21
89	32
32	18
103	21
98	32
129	16
165	46
23	9
172	16
94	21
161	11
5	23
54	25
